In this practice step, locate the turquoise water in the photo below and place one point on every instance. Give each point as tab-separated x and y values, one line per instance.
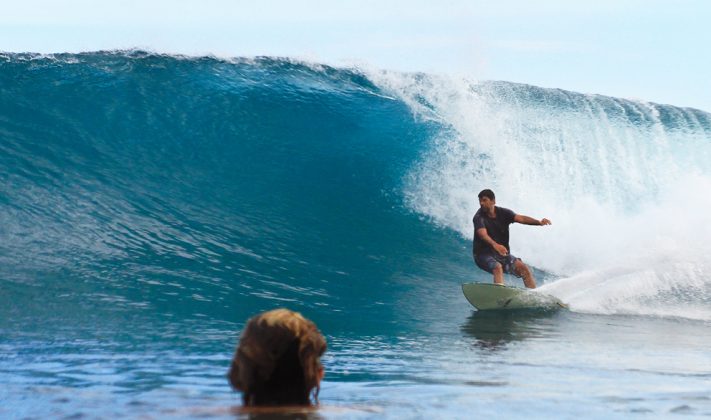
150	204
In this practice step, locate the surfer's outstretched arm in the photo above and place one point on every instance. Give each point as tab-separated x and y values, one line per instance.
520	218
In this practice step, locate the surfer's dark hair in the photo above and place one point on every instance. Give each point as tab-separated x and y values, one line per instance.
488	194
278	360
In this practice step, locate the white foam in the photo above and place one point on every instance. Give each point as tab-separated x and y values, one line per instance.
628	192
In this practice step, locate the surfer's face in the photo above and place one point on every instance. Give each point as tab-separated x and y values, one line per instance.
487	204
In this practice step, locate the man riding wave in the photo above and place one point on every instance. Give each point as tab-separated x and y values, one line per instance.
491	240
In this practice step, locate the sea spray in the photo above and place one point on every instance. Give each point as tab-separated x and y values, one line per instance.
626	184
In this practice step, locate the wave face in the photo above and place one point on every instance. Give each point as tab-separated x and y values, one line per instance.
136	183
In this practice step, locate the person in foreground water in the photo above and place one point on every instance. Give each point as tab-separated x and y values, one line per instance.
491	240
278	361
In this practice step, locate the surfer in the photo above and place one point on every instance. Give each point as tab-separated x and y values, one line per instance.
278	361
491	240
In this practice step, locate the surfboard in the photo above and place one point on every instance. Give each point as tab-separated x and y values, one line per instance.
490	296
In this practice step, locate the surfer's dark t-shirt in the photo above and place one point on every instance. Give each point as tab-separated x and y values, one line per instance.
497	228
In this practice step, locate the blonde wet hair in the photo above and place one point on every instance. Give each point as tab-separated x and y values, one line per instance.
278	360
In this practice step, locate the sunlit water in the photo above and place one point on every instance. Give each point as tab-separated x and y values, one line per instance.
463	364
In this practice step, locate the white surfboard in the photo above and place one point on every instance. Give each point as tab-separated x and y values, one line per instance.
490	296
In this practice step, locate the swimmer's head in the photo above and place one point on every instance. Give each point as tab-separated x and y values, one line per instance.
278	360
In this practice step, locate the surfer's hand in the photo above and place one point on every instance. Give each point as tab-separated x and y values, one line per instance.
501	249
545	221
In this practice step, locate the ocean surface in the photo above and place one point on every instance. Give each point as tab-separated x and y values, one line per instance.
150	204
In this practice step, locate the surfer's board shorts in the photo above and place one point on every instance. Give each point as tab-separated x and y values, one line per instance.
487	262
